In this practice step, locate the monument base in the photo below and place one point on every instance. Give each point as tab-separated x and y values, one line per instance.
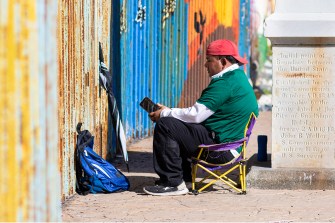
261	176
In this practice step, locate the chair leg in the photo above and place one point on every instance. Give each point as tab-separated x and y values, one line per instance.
243	178
222	178
194	175
219	177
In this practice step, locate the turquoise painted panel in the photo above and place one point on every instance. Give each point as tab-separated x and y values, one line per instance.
244	42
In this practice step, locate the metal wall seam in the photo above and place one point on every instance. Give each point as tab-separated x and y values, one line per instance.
135	41
145	71
142	84
174	48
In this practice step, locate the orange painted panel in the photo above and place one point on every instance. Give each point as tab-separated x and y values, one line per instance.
208	20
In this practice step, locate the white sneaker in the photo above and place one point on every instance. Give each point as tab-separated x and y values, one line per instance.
160	190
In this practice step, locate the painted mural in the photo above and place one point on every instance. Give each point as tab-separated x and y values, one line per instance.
208	21
159	51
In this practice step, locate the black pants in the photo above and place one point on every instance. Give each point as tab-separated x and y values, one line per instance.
174	142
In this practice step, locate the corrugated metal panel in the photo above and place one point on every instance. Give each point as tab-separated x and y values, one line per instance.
82	24
162	54
153	58
28	111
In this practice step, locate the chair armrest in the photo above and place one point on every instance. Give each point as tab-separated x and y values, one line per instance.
224	146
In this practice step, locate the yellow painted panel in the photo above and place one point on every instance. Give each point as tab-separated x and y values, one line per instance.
195	6
11	164
22	101
224	10
29	99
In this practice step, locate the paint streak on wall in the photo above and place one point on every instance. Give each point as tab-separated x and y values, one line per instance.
28	100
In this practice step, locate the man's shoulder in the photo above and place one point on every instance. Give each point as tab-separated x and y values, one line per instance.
231	75
219	82
236	72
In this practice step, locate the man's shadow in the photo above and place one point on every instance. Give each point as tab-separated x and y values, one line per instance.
140	166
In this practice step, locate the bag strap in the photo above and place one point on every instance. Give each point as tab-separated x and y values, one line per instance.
84	137
79	127
82	187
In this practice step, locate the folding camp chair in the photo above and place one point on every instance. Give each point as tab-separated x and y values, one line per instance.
217	172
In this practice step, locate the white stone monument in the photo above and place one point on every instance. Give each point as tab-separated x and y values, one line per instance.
302	34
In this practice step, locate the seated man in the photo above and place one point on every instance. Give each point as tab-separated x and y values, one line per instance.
219	115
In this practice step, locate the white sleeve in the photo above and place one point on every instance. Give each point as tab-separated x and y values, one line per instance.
195	114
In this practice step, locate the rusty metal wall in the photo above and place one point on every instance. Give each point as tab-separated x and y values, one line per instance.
81	25
29	173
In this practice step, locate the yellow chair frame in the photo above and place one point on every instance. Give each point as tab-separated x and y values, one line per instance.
219	172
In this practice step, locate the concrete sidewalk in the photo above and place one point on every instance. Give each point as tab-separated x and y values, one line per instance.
218	204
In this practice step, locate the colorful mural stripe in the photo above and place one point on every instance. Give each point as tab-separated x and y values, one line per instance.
161	51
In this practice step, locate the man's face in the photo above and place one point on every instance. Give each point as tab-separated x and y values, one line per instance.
213	65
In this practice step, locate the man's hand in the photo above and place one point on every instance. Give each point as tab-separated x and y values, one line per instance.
154	116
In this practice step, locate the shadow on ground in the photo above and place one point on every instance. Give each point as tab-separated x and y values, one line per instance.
252	161
139	162
141	172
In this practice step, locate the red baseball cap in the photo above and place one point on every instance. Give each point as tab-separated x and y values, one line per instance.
224	47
